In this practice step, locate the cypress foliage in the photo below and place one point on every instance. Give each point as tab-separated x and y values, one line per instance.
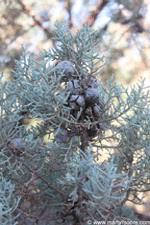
65	179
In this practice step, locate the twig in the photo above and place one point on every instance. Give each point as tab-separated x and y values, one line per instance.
84	141
38	174
27	215
94	14
29	12
69	7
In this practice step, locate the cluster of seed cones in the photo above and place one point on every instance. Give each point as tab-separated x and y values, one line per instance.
83	99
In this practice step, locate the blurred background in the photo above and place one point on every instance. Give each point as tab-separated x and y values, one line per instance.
124	27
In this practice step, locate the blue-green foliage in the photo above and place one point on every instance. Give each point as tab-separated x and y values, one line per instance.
60	170
8	203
